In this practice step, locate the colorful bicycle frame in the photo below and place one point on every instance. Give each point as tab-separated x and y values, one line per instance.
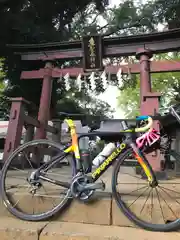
151	136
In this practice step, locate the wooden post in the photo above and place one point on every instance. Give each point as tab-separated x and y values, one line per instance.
29	133
15	127
45	101
57	124
149	104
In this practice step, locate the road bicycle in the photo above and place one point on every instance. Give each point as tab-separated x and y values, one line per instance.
82	184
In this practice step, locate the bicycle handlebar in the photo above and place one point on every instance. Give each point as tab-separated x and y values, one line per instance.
126	129
71	115
147	127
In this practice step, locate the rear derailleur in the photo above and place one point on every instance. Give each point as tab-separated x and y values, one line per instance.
34	183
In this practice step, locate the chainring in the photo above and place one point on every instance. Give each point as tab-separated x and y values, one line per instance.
77	182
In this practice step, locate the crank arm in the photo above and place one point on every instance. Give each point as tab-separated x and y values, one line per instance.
56	182
93	186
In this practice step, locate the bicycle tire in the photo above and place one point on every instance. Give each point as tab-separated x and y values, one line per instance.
23	216
167	227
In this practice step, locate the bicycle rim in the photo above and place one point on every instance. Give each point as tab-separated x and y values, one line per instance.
19	208
142	204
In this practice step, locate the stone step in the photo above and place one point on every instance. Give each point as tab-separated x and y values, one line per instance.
101	211
11	229
75	231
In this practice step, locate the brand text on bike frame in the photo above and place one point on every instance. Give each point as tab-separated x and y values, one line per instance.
106	163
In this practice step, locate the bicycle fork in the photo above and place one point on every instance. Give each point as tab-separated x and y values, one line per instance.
145	165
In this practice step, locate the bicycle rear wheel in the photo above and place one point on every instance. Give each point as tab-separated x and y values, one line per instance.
43	199
154	209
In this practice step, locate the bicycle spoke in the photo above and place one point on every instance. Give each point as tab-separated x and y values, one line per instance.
44	197
20	199
19	170
136	190
29	161
160	205
155	201
48	194
168	183
132	176
168	194
170	190
146	200
18	186
152	205
33	202
16	177
168	205
138	197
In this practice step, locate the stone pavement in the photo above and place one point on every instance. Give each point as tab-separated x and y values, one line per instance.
101	219
12	229
102	211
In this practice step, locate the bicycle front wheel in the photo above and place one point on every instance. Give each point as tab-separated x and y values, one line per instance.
152	208
37	200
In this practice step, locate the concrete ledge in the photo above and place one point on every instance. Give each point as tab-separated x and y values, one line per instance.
98	211
101	211
12	229
118	218
76	231
144	212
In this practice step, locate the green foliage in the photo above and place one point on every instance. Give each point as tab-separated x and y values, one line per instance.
4	103
166	11
150	15
129	99
2	74
168	84
81	102
133	17
31	22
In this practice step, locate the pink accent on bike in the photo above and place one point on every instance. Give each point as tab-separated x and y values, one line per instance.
148	138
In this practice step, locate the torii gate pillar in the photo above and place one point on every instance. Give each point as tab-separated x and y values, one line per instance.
45	101
149	102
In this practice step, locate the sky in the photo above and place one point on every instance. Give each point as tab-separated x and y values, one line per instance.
110	96
112	92
114	2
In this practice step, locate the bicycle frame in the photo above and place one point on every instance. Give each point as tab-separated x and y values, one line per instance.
111	158
74	148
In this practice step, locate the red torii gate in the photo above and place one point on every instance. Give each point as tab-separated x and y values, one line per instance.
143	46
155	67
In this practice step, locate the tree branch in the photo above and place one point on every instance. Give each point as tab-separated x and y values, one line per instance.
136	24
95	18
101	28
